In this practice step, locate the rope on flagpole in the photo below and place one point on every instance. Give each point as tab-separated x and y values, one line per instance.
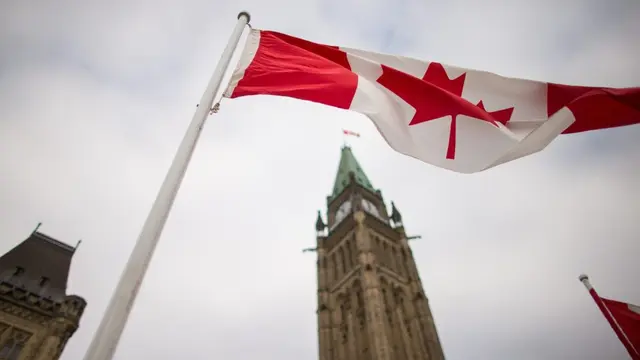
215	108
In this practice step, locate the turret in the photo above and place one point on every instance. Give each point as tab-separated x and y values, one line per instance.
320	225
396	217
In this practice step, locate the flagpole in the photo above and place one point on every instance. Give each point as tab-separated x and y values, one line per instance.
106	338
614	325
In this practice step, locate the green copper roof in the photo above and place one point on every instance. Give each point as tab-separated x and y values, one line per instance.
348	163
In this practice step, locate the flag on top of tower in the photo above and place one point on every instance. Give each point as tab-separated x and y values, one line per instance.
350	133
459	119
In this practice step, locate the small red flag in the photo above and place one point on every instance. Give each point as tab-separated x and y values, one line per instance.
350	133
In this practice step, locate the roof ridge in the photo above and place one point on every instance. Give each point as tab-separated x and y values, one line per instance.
53	241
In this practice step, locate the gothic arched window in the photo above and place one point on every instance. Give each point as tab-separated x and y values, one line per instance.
342	260
12	348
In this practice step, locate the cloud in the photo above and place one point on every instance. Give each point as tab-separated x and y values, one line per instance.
94	100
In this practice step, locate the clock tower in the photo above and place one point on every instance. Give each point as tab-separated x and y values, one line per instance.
371	303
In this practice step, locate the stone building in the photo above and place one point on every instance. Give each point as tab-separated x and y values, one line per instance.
37	317
371	303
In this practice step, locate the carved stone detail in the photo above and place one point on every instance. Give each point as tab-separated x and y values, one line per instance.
23	314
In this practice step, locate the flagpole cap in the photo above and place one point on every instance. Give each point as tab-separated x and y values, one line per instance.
245	14
583	277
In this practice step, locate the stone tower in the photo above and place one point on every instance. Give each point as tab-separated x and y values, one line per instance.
37	317
371	304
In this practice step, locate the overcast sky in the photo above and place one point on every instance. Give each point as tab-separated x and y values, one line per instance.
95	97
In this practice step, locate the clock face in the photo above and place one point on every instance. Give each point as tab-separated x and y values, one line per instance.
342	212
370	208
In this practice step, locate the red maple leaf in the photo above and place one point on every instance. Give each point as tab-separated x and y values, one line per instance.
435	96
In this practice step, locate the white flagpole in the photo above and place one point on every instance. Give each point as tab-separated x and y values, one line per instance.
106	338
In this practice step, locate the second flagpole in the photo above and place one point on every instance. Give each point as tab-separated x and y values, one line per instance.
584	279
106	338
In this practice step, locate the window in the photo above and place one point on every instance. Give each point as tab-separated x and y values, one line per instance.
18	271
343	260
10	350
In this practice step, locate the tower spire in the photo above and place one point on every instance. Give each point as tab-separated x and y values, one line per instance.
349	164
320	225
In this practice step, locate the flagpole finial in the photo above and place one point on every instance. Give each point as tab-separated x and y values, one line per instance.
37	227
245	14
584	279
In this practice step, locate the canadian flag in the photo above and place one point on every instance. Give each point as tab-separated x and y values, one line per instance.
350	133
627	317
462	120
